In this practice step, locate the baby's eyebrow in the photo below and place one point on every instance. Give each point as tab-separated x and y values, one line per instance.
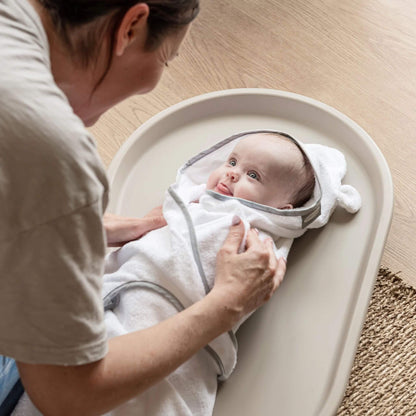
262	173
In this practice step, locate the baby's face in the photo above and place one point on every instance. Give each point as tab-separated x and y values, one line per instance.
261	168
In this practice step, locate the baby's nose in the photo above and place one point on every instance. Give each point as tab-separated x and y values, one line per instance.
233	175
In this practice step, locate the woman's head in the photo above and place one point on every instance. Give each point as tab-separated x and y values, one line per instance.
118	47
165	17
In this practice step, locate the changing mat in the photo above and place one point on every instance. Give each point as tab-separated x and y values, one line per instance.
296	352
178	262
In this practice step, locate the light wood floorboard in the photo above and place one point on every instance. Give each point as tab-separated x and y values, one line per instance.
357	56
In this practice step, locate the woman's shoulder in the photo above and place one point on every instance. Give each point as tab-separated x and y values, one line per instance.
49	162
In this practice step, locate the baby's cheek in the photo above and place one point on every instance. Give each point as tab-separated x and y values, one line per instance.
211	182
256	194
245	191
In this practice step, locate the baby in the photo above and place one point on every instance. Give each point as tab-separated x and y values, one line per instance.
264	170
268	179
267	168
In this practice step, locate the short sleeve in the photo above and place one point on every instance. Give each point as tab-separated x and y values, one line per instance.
53	192
51	305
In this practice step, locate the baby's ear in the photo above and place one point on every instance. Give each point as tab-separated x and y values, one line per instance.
287	206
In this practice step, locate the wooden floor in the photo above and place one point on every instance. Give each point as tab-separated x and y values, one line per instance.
357	56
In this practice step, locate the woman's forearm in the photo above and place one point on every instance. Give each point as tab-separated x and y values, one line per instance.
150	355
134	362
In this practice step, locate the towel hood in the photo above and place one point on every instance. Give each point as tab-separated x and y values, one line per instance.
329	166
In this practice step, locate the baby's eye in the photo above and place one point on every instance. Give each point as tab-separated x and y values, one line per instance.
253	174
232	162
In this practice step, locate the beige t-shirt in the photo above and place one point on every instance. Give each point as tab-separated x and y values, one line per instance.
53	192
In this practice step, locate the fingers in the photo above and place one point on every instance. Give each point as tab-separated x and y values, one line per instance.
146	224
234	238
277	267
155	212
120	230
280	273
149	224
249	279
253	239
274	269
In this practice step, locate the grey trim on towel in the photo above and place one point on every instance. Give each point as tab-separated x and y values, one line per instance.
192	234
112	300
295	212
195	251
213	148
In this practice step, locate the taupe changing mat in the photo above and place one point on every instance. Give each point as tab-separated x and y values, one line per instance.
295	353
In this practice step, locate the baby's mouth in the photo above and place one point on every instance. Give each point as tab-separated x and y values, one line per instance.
223	189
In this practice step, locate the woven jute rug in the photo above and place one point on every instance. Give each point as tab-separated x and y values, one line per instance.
383	378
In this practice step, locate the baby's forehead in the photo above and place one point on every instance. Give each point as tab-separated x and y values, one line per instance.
256	138
281	148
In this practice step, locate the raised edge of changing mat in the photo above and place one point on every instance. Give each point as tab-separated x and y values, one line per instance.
296	352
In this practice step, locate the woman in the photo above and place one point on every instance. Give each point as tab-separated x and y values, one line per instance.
64	63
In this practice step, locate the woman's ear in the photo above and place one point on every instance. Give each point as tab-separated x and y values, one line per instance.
132	27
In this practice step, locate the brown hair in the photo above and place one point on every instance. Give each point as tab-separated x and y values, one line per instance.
303	194
305	191
165	17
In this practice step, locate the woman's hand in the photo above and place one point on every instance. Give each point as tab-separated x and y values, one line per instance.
120	230
247	280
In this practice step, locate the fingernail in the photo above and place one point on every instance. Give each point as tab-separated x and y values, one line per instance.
282	258
236	220
256	230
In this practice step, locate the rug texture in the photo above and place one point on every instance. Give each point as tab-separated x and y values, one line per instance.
383	378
